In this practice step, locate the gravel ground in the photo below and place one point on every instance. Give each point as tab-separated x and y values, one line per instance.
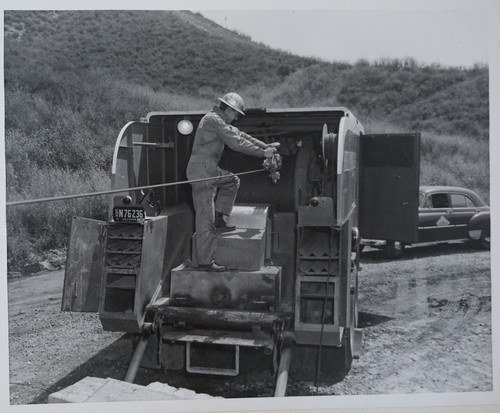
426	320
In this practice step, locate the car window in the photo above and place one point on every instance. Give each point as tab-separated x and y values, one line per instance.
470	203
440	201
427	203
461	201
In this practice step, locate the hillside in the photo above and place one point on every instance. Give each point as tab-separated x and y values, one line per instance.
182	52
74	78
164	50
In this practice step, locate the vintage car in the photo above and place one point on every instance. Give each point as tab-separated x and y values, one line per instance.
445	213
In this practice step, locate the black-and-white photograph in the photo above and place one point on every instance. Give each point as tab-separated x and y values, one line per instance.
266	206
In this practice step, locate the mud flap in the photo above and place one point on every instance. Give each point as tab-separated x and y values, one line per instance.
334	362
357	343
84	265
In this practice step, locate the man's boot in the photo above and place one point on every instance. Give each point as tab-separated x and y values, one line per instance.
213	267
221	225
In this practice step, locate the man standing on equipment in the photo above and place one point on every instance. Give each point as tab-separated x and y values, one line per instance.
214	199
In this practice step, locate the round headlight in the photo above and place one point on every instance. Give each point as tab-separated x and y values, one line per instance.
185	127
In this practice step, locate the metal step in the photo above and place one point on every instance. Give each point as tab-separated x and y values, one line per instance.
235	338
211	338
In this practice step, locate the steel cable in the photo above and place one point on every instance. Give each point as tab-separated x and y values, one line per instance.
115	191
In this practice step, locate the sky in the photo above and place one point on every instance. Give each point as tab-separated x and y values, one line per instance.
447	32
447	37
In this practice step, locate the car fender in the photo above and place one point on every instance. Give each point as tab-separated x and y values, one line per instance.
479	225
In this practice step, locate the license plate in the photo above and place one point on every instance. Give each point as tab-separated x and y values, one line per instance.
128	214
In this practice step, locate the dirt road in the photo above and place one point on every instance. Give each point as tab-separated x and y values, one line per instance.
426	321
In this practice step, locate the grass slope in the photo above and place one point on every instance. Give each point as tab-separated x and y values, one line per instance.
74	78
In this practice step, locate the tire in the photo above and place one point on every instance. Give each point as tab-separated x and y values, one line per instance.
394	249
484	242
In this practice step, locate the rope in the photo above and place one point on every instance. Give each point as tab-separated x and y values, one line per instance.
115	191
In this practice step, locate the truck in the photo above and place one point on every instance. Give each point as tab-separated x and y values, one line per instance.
291	287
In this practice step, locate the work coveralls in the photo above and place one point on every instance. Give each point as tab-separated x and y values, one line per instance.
216	195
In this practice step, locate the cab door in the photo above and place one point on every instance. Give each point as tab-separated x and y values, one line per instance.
463	209
389	187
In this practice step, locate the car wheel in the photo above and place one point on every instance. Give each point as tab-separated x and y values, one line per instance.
394	249
484	242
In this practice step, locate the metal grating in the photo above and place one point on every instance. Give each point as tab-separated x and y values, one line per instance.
125	231
124	246
322	267
318	252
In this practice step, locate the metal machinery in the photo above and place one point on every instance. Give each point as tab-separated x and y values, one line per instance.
291	288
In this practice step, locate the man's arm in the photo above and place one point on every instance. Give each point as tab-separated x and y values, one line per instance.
234	138
255	141
259	143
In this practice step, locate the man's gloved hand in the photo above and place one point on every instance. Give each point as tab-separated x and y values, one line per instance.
269	152
272	164
273	145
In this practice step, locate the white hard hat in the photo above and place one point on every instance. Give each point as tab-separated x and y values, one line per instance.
235	101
